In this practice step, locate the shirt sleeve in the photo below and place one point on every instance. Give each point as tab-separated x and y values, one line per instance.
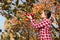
44	23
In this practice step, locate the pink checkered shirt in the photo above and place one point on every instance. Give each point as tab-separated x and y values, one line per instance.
44	29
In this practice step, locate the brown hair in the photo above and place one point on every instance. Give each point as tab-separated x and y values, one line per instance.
48	13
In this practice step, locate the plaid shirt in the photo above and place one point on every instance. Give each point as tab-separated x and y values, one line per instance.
44	29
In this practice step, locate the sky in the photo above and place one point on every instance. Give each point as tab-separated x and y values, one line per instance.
2	20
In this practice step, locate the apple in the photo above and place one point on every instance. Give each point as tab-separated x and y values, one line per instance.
32	14
27	14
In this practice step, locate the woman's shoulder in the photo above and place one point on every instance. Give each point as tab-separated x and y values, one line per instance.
47	20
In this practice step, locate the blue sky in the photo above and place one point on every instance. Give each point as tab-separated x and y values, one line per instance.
2	20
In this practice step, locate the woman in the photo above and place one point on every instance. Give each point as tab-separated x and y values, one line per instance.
44	26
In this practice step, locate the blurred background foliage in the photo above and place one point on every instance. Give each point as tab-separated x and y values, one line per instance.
17	26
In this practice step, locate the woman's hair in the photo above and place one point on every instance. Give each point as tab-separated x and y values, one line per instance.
48	13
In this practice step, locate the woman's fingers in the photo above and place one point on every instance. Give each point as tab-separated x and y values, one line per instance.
30	17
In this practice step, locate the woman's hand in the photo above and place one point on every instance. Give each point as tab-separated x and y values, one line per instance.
28	16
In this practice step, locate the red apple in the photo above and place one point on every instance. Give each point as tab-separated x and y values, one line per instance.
28	14
25	14
32	14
